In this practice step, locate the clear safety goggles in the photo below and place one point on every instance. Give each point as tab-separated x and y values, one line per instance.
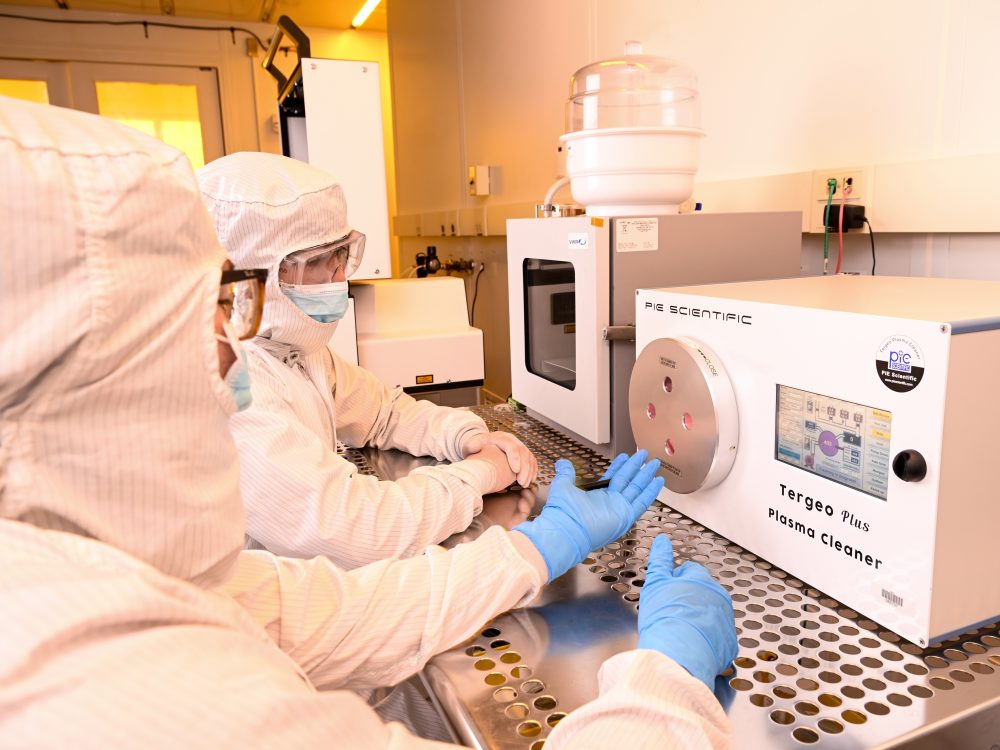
318	265
241	297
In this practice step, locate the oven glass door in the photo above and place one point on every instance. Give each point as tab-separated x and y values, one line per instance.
557	278
550	320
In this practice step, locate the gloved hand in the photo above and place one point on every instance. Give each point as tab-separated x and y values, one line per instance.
574	522
685	614
521	461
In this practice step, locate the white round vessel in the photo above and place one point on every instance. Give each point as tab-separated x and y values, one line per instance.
633	135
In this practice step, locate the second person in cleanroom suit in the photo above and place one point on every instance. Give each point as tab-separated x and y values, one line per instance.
302	498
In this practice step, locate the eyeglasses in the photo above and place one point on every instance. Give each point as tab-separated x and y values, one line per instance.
241	297
318	265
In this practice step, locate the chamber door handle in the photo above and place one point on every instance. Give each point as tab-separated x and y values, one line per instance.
619	333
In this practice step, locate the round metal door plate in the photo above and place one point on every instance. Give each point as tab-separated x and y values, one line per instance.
683	411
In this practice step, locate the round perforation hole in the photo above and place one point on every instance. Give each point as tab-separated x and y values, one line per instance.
485	665
806	708
762	676
830	700
520	673
517	711
783	717
784	692
500	645
804	683
738	683
494	679
942	683
850	691
490	633
555	718
830	726
919	691
511	657
475	651
545	703
761	701
898	699
805	735
876	709
533	686
529	729
853	717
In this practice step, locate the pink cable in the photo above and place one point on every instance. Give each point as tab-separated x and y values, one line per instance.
840	228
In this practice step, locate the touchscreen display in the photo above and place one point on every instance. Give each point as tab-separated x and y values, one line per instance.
842	441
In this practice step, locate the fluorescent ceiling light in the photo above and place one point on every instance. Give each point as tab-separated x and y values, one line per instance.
366	10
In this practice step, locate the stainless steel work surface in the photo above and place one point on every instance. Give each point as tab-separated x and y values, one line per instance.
810	671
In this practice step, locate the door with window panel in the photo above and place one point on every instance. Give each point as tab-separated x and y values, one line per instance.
178	105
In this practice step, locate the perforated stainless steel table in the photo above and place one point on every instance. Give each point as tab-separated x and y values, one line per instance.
810	671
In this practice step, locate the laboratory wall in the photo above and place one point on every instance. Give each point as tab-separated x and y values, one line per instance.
787	87
247	93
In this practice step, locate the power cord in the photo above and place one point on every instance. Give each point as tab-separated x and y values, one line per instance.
871	236
145	25
831	186
475	294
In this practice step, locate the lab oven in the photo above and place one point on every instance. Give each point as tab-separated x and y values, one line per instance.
840	427
572	284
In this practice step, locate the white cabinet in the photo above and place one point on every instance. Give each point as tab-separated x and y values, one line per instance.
343	135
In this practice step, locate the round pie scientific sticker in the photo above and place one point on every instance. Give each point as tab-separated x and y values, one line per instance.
899	363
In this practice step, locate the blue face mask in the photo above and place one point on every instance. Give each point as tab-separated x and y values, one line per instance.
325	303
238	374
238	380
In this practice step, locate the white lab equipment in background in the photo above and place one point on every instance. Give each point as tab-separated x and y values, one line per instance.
330	116
345	339
342	133
572	284
843	428
415	333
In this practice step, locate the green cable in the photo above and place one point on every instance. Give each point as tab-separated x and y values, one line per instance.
831	186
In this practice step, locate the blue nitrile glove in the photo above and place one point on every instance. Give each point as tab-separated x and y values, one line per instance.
685	614
574	522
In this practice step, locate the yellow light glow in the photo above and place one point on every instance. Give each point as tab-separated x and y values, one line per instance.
32	91
165	111
366	10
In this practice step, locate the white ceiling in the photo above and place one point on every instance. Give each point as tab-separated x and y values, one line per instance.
330	14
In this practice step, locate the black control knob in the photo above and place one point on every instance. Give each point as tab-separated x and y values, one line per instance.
909	466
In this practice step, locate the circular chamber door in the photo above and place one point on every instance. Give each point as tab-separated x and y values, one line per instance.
683	411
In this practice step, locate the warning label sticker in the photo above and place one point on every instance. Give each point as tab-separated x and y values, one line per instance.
637	235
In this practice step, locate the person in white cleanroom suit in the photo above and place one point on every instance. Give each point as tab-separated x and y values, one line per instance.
302	498
132	617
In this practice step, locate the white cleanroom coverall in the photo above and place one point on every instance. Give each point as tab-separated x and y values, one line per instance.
301	497
131	616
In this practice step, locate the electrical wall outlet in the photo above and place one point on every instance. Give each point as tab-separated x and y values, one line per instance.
856	178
